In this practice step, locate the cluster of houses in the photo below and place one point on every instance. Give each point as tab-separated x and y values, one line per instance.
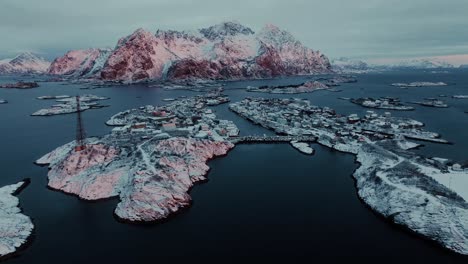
184	118
299	117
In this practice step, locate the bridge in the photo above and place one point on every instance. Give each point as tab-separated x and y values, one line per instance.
271	139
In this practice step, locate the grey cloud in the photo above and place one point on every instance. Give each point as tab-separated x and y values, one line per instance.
358	28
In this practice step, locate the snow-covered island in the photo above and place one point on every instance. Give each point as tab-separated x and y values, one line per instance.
338	80
3	101
427	195
460	96
307	87
68	105
386	103
20	85
15	227
51	97
419	84
150	160
432	103
302	147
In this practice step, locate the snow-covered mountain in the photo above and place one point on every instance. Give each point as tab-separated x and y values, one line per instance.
347	65
80	63
415	64
224	51
424	64
24	63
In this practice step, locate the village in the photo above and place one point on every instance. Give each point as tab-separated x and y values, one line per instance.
188	117
299	117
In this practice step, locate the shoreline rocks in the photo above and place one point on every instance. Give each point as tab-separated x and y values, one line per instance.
15	227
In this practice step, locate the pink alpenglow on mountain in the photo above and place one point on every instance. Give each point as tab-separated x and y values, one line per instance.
152	181
80	63
24	63
225	51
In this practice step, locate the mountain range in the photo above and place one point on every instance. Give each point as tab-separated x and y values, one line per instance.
224	51
347	65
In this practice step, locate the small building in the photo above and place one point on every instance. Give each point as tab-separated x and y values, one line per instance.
353	118
139	125
159	113
169	127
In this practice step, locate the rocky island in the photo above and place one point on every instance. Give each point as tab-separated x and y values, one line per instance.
386	103
302	147
15	227
419	84
426	195
20	85
152	158
51	97
307	87
68	105
338	80
432	103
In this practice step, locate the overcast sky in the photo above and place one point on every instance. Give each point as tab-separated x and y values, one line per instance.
367	29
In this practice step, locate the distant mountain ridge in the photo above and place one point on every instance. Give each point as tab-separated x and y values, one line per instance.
225	51
24	63
347	65
422	64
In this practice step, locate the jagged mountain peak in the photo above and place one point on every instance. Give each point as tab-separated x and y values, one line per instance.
174	34
140	33
275	36
224	29
25	62
26	57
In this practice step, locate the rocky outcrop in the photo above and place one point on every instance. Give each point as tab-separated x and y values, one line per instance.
24	63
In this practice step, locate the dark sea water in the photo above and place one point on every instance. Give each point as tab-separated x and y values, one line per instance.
260	200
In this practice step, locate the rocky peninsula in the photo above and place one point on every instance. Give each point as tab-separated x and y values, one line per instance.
426	195
15	227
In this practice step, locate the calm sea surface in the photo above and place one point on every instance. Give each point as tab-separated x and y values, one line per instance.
260	200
